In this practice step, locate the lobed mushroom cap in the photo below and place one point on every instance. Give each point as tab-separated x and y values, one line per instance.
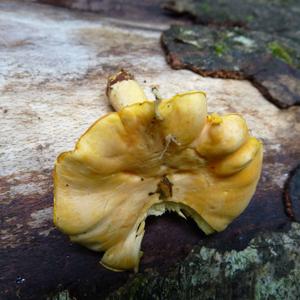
130	164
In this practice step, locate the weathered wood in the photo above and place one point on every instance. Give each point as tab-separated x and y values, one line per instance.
54	64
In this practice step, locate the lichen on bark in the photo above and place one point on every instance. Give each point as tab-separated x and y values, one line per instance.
269	268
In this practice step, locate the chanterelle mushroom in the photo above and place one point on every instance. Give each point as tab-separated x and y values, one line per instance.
149	157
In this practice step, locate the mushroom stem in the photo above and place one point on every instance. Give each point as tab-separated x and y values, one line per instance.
123	90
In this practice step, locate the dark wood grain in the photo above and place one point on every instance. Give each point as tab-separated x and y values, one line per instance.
42	265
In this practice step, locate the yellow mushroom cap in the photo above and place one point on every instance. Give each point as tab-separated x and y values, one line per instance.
130	164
